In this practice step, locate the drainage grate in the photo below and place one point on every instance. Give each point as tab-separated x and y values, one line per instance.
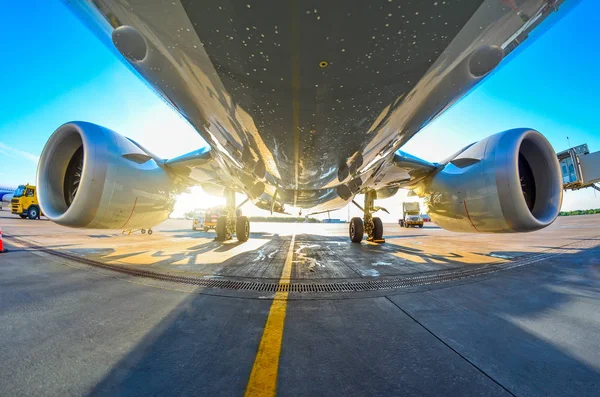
310	287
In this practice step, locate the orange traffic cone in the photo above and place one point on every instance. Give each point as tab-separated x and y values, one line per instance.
1	244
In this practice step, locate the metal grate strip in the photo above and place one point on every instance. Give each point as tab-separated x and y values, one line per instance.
314	287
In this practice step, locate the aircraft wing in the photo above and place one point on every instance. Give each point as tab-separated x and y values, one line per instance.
197	168
403	171
205	168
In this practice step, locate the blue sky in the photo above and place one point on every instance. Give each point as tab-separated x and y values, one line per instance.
54	70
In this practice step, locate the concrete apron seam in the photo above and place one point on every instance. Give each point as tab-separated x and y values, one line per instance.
263	378
450	347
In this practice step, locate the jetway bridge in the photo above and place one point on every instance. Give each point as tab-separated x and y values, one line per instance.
580	168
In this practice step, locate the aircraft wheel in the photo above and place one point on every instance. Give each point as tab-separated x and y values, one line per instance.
357	230
242	228
377	229
143	231
150	232
221	228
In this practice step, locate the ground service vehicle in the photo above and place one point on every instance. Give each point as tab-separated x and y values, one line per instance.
207	220
25	203
198	222
306	122
411	215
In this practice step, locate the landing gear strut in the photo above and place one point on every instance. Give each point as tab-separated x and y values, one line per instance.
369	225
230	223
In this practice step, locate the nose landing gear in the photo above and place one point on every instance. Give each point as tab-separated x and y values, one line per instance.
233	222
369	225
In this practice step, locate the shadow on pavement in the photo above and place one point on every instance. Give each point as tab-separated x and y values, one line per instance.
206	346
317	256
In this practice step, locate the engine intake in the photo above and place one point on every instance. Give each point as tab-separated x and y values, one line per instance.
508	182
90	176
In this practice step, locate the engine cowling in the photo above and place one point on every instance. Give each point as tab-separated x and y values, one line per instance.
508	182
92	177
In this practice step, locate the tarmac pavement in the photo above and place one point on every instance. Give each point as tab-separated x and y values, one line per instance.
70	329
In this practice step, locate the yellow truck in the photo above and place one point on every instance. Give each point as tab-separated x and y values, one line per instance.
25	203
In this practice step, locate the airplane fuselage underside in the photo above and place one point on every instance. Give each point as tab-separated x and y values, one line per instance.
301	103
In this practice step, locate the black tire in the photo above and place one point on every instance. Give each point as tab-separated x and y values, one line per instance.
242	228
377	229
401	223
143	231
221	228
206	229
23	216
149	232
356	230
420	226
33	212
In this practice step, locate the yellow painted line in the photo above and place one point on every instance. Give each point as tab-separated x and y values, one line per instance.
263	378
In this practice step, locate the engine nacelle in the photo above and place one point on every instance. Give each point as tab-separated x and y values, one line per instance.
92	177
508	182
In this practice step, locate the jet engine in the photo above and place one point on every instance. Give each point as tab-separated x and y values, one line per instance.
508	182
90	176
